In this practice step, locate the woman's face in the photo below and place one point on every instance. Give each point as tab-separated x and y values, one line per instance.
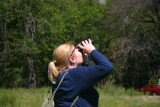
77	55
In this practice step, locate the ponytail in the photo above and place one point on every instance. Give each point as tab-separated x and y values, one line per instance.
52	72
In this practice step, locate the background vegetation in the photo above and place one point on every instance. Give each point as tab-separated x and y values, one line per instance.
126	31
32	97
116	96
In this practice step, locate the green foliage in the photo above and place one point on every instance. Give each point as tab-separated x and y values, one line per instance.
154	79
113	90
135	51
31	30
126	30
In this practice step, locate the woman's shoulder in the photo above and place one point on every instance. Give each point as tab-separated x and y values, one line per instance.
62	74
64	77
76	71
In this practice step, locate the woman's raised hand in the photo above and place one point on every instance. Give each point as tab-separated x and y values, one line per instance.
87	46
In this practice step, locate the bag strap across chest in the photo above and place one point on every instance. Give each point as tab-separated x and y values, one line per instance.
58	88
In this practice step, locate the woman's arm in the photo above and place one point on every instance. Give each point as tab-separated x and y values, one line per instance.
84	77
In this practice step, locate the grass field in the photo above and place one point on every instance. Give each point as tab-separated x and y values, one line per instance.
110	96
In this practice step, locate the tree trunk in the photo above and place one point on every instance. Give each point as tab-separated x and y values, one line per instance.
102	1
158	75
32	74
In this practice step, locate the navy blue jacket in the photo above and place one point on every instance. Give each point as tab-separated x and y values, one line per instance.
80	81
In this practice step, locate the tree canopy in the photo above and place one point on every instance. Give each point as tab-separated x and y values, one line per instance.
126	31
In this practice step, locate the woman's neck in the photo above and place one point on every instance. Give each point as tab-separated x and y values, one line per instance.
73	66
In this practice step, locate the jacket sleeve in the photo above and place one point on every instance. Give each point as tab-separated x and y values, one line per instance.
84	77
89	63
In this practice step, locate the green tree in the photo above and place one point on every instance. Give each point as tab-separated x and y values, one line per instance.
136	51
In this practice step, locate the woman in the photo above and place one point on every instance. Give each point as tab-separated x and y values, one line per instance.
79	80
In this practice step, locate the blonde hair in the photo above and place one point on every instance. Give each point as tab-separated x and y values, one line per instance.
61	61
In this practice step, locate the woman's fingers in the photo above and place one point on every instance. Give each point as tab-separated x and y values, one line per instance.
86	46
79	45
89	40
86	42
83	43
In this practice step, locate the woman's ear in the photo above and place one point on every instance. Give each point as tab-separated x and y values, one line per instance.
72	59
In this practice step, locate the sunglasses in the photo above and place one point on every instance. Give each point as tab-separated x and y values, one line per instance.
73	50
75	47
